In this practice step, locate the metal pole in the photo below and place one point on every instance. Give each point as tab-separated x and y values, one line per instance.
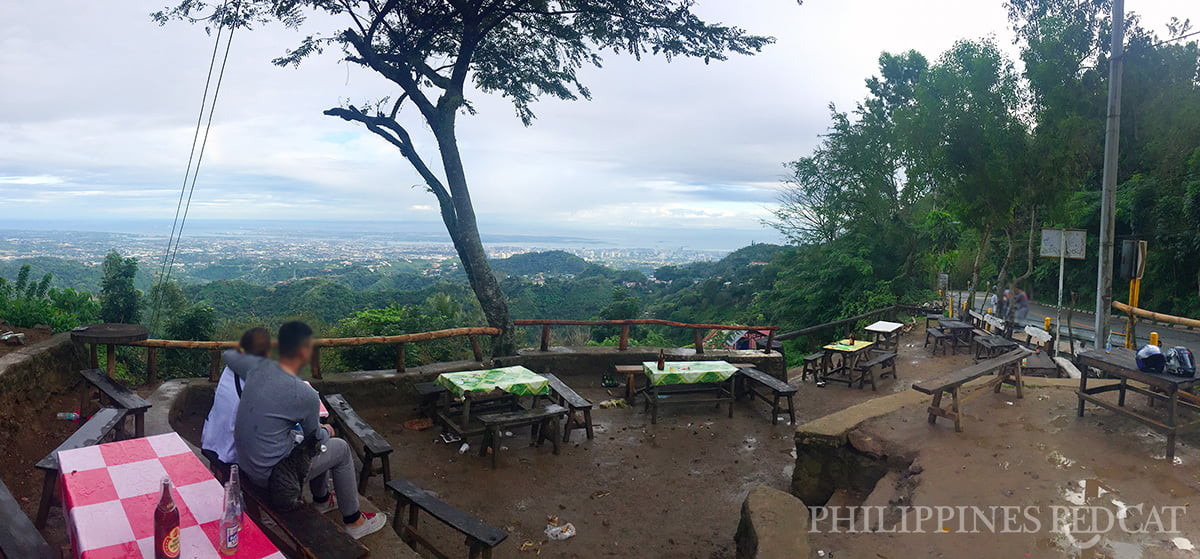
1109	183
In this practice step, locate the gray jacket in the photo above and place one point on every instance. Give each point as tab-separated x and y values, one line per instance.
273	402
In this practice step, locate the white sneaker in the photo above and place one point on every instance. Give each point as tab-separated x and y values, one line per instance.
327	506
372	522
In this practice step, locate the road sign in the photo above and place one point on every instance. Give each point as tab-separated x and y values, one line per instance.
1075	243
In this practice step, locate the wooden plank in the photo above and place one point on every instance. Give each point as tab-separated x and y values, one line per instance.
572	398
90	433
401	358
18	536
152	365
122	397
309	533
351	421
970	373
534	414
698	339
768	381
624	343
545	337
464	523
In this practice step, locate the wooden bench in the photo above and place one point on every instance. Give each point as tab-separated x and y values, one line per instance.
812	366
886	360
370	444
543	420
565	396
19	538
118	396
429	394
752	378
103	424
939	338
481	538
631	373
930	317
1007	367
302	533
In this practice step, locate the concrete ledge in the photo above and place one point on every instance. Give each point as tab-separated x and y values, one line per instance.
774	525
599	360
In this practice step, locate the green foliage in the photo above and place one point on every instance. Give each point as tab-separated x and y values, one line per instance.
439	312
120	301
554	262
27	304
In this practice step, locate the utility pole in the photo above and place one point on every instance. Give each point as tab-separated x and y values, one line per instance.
1104	275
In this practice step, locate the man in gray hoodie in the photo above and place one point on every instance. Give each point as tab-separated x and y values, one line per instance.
276	406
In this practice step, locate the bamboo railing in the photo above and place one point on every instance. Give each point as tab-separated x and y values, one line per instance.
623	343
214	348
1178	320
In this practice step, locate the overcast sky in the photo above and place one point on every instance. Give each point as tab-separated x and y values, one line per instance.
98	104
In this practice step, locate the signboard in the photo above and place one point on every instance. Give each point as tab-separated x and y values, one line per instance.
1076	243
1133	259
943	281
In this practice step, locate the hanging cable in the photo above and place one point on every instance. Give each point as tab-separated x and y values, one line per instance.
184	203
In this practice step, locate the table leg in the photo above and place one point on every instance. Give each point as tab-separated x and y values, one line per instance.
466	410
1172	399
1121	396
1082	389
111	350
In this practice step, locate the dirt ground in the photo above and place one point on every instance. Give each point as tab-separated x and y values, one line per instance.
32	336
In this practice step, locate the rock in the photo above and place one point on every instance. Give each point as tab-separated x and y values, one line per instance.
774	525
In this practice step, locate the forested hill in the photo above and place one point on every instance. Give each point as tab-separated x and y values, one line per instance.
554	262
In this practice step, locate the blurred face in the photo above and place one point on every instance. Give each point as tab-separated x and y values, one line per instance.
261	346
304	354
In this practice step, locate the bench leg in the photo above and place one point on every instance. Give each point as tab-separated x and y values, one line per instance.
553	427
937	403
775	410
413	511
957	411
791	411
1020	383
587	417
49	488
386	465
139	425
494	435
364	473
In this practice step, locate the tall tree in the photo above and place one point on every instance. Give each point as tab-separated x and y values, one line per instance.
432	51
120	301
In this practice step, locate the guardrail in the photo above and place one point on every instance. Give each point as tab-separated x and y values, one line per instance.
214	348
623	341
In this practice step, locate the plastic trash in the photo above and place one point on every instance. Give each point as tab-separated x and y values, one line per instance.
560	532
68	416
464	448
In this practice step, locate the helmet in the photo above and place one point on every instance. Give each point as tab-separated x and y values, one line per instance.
1150	359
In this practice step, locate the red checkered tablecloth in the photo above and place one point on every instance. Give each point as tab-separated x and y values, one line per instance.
110	491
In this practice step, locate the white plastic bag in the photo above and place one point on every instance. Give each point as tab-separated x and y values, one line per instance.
560	532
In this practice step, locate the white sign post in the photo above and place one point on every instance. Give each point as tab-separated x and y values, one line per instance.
1063	244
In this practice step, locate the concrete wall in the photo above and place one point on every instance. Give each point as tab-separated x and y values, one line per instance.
30	376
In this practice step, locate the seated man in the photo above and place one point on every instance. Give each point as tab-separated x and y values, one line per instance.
216	441
275	403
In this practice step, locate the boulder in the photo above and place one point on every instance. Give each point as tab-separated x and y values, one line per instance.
774	525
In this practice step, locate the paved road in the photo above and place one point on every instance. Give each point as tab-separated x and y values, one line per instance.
1083	323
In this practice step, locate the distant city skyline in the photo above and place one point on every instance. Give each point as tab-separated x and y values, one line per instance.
665	154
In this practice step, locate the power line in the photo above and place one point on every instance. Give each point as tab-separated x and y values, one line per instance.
184	204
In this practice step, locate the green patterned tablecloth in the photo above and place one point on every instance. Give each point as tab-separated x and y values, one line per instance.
688	372
514	380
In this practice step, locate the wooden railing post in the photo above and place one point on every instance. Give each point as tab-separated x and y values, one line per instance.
401	357
699	338
476	349
93	356
151	365
545	337
770	341
214	365
624	343
111	366
315	367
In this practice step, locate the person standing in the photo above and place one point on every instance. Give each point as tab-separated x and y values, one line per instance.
216	440
1021	304
279	419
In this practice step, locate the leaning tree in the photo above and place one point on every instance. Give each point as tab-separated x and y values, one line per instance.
430	50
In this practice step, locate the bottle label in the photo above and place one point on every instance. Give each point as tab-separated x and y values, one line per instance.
231	536
170	544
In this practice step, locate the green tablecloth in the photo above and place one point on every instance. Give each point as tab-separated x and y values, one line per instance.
846	346
688	372
514	380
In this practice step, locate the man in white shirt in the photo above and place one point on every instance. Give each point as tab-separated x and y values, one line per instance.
216	441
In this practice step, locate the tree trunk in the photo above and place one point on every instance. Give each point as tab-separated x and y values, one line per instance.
464	232
983	243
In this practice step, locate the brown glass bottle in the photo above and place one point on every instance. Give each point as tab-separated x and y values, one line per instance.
662	360
166	525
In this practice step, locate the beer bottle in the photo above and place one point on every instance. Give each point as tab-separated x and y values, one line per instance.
662	360
166	525
231	520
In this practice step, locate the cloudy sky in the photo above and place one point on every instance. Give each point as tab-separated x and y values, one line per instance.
98	104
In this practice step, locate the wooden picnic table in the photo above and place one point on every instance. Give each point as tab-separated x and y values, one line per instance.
688	378
987	347
109	335
887	334
110	492
488	385
850	354
1122	364
960	332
